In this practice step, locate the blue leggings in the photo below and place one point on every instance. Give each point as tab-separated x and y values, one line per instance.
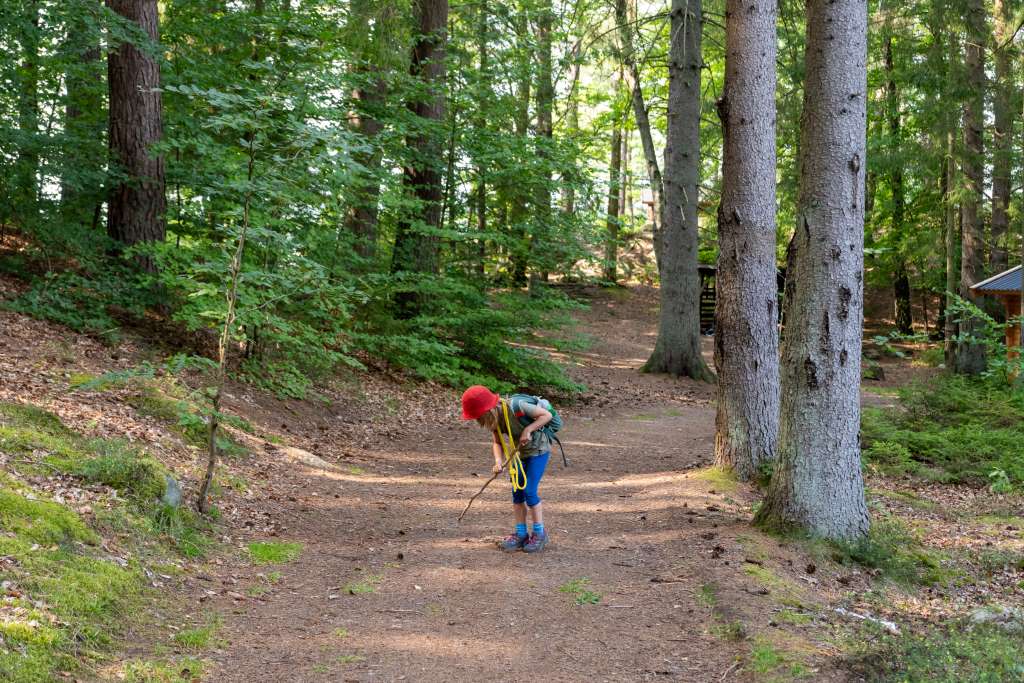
534	466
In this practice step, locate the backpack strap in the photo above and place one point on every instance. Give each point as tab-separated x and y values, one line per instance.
565	462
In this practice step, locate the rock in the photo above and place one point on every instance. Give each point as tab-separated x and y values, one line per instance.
1010	619
172	492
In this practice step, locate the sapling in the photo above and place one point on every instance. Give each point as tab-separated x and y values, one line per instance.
225	333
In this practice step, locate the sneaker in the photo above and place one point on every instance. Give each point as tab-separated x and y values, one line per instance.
536	543
512	543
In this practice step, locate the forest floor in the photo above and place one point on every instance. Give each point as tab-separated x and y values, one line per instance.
653	571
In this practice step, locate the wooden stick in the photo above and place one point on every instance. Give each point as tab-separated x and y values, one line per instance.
487	483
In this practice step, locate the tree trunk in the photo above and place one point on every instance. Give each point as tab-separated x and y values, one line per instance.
901	280
611	246
643	122
970	357
746	315
136	205
482	99
27	167
82	105
572	117
677	350
362	216
545	131
416	249
1003	112
817	484
519	250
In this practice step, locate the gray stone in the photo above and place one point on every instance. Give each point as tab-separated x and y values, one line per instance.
1010	619
172	492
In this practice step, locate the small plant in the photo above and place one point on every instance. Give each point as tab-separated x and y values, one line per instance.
582	595
341	633
734	630
272	552
199	638
708	595
1000	481
185	670
350	659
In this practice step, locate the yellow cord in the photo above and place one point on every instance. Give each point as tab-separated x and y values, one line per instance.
516	470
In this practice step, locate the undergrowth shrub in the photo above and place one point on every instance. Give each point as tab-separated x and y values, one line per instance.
894	550
955	429
462	334
951	653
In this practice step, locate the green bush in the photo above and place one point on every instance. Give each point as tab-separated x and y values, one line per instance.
952	653
956	429
120	466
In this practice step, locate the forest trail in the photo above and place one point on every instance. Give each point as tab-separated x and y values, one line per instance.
389	587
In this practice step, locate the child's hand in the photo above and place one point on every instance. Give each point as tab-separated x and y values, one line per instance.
498	467
524	438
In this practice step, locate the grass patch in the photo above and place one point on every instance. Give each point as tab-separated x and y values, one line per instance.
198	638
350	659
953	653
44	444
184	670
893	549
913	500
787	592
734	631
367	585
955	429
581	594
773	664
794	618
273	552
341	633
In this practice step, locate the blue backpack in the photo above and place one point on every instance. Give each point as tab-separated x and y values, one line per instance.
550	429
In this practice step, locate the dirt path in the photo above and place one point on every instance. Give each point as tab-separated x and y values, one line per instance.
653	537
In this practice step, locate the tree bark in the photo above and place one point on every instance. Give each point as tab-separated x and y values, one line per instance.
901	280
416	244
482	99
746	315
677	350
611	245
545	133
817	484
1003	112
27	167
137	204
519	250
643	121
970	357
572	116
362	216
82	107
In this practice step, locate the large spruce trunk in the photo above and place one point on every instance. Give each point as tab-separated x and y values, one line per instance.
416	244
613	215
137	204
746	314
1003	110
817	484
677	350
901	278
970	357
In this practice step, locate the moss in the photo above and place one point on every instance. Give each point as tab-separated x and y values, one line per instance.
785	591
895	550
78	600
723	480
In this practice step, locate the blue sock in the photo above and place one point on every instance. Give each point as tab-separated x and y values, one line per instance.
521	530
538	528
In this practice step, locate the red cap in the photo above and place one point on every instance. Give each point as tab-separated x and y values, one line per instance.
476	401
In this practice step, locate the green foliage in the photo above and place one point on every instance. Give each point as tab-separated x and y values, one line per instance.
181	670
950	653
580	591
273	552
956	429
